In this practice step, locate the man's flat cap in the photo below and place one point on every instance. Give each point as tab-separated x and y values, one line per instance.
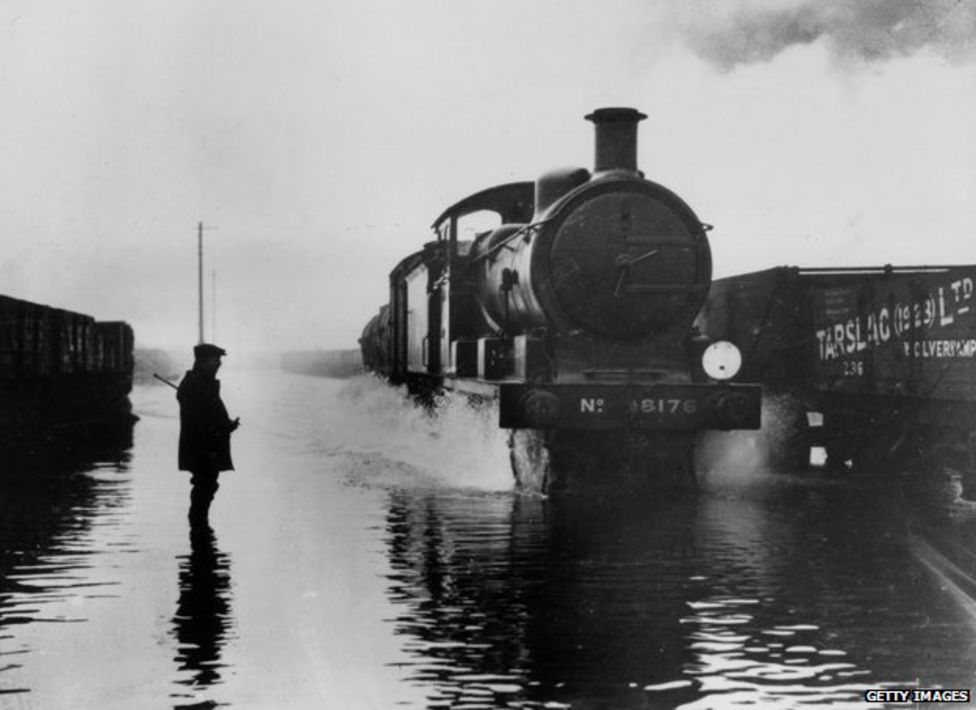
208	350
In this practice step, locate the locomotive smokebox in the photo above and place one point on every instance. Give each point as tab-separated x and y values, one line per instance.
616	138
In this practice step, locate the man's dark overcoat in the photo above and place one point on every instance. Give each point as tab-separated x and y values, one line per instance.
205	426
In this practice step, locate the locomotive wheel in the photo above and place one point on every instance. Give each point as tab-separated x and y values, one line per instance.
531	460
550	461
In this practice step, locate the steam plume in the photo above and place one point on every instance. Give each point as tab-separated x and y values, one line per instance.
748	31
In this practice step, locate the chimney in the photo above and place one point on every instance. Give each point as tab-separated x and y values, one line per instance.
616	138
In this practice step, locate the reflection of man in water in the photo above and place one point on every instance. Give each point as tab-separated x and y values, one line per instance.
205	429
203	615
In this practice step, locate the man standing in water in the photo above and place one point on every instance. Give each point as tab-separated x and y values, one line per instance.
205	429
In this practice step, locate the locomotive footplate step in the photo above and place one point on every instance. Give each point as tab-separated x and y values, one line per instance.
607	406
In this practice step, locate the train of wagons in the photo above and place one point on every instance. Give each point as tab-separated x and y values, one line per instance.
573	313
59	368
590	315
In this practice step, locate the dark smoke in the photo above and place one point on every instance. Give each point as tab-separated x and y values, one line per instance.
744	32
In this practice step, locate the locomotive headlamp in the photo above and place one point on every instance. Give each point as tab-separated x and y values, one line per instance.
722	360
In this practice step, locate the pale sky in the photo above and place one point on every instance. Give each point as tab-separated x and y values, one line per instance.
318	139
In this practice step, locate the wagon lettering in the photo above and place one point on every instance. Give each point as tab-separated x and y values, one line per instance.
945	318
962	289
941	349
884	326
899	320
903	319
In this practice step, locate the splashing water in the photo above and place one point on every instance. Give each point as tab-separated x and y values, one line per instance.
756	454
389	439
382	437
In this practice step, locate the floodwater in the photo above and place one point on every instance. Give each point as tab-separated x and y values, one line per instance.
367	555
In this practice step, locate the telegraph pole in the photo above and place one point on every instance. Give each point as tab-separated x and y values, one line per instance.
200	280
200	337
213	305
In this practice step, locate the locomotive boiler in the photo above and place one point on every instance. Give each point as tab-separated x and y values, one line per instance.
574	312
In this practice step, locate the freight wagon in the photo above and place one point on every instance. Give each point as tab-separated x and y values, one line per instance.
873	365
59	367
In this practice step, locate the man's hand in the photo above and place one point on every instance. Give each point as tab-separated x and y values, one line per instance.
235	423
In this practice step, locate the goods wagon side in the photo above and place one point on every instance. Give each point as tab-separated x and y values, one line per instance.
59	368
883	360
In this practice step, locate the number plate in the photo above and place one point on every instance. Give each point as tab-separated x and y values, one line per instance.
666	407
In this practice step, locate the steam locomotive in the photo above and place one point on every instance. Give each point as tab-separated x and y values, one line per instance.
575	314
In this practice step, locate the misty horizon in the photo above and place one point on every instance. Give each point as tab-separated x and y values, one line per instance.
316	142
